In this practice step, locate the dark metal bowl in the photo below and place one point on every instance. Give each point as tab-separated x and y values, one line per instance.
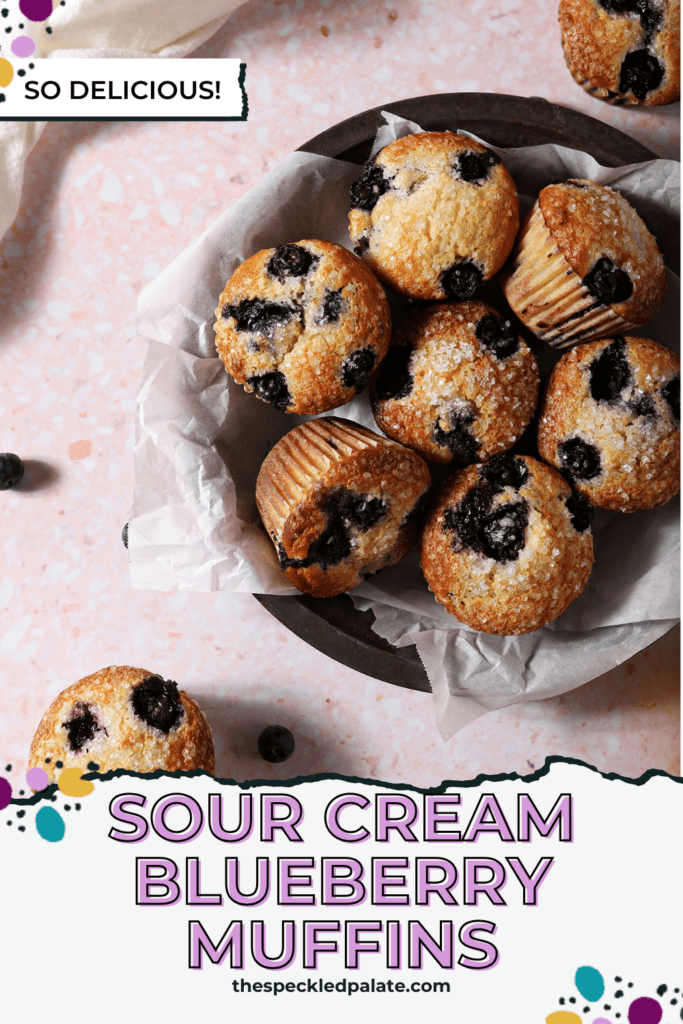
332	625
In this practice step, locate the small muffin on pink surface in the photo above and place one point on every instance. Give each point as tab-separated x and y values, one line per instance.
122	717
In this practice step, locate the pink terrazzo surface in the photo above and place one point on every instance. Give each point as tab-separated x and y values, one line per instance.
108	205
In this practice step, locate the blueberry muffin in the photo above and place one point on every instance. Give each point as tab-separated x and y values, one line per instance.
624	51
434	215
123	717
340	503
458	385
303	326
585	266
507	546
610	421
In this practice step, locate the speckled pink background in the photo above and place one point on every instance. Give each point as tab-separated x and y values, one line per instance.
105	207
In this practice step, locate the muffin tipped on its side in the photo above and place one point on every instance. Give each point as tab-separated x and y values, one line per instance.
585	266
339	503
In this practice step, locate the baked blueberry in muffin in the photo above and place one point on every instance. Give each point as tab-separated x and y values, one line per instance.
434	215
585	266
507	546
123	717
458	384
339	503
303	326
624	51
610	422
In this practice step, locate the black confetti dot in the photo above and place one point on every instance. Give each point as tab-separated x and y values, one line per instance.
8	768
92	767
5	12
571	999
31	66
47	760
58	764
22	828
20	814
67	807
48	30
77	806
9	822
618	994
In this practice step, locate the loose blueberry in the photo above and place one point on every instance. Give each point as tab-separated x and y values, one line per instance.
357	367
497	335
331	307
157	702
672	395
124	535
82	727
461	280
580	458
276	744
365	192
395	379
458	439
474	167
640	74
610	373
608	283
505	471
11	470
580	512
272	387
290	261
259	316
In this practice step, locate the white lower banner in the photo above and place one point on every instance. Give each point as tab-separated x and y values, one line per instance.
551	898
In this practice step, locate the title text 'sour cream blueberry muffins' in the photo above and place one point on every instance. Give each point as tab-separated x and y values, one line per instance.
458	385
434	215
507	546
585	266
122	717
303	326
610	420
624	51
339	502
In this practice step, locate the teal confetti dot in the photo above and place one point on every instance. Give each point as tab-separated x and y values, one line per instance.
590	983
50	824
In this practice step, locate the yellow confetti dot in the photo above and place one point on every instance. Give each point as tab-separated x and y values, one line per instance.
563	1017
71	784
6	72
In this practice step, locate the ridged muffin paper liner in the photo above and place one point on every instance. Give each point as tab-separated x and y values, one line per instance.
200	441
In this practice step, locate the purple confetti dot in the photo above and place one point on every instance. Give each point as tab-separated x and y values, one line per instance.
601	1020
36	10
37	778
5	793
23	46
644	1011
